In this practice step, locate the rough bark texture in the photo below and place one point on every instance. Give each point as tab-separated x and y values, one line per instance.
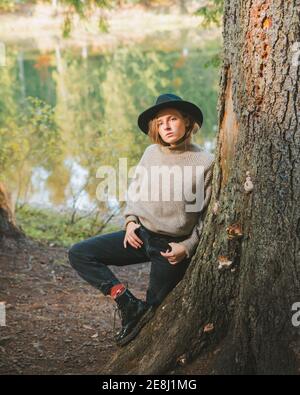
248	304
8	225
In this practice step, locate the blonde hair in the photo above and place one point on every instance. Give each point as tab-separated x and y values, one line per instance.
191	128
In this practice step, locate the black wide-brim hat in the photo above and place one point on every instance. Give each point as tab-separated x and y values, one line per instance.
169	100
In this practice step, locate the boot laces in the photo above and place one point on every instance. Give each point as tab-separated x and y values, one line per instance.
117	310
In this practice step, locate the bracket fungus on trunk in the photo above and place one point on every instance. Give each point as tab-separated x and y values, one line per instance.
248	185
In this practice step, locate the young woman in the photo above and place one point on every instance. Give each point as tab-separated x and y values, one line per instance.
162	231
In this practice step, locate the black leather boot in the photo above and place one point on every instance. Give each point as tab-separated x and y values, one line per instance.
134	315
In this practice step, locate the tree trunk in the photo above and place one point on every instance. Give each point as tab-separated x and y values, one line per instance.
8	225
242	311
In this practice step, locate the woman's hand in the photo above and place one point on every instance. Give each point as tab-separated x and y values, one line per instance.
177	253
131	237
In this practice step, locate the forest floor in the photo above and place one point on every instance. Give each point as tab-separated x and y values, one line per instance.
55	322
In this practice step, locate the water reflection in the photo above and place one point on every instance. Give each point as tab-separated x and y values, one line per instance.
77	197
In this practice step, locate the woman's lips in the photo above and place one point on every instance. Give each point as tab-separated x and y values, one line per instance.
169	134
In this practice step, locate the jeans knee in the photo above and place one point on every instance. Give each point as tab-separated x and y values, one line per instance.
74	254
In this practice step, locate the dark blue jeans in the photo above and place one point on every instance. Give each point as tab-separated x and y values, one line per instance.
91	258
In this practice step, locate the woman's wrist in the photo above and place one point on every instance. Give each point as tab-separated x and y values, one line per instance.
129	222
131	218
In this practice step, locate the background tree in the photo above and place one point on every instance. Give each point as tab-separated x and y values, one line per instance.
237	294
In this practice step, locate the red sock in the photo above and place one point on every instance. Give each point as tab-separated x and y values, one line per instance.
117	290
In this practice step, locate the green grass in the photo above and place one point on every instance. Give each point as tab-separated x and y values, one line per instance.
54	227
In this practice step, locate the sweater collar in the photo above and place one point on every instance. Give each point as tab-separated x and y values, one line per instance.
177	149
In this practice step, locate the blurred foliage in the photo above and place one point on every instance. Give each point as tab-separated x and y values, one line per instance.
30	135
53	227
41	138
85	9
10	5
212	12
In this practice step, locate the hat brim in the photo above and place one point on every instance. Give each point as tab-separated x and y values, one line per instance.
185	106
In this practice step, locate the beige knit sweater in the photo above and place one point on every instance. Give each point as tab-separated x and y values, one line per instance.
171	217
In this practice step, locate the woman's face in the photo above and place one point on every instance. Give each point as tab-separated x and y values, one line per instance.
171	125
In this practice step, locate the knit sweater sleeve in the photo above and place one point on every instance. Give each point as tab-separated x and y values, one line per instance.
129	208
192	241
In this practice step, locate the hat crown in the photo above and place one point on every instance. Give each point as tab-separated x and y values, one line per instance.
166	97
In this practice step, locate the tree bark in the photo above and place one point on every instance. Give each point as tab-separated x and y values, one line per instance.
242	311
8	226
